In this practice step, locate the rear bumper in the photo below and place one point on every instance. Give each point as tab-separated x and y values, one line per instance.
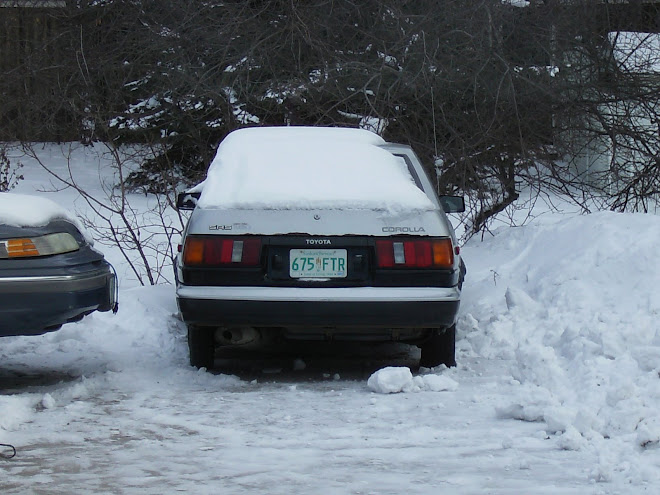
36	304
382	307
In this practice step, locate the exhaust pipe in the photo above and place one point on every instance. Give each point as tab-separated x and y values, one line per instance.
237	336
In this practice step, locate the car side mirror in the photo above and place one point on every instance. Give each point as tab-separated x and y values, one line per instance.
452	204
187	200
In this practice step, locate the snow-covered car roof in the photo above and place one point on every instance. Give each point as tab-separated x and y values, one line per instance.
309	168
22	210
249	135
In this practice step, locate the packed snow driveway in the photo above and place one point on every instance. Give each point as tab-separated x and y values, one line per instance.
110	405
101	408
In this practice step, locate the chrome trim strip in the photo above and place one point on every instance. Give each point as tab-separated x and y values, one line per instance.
333	294
53	278
54	283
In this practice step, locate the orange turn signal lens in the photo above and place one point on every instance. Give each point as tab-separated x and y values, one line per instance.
21	248
193	252
443	253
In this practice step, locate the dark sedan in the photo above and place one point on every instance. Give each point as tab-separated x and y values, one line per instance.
50	275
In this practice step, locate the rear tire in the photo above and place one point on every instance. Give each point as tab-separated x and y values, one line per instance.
201	346
440	348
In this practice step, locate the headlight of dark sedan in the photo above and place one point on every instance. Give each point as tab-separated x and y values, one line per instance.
45	245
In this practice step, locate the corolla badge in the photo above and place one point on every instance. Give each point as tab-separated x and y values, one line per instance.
404	230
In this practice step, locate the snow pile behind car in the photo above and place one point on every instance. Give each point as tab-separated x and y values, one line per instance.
573	302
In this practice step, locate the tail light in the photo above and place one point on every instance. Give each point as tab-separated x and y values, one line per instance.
221	251
415	253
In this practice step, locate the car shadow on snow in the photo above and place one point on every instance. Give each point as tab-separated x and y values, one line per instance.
314	361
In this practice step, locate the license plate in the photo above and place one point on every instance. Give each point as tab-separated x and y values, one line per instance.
317	263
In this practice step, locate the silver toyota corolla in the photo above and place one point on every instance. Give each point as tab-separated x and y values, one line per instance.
318	234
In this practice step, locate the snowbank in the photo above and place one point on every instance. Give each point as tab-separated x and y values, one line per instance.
573	303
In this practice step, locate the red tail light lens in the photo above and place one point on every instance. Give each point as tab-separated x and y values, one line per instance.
415	253
221	251
385	254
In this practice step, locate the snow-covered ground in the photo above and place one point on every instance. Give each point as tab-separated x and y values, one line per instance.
557	390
